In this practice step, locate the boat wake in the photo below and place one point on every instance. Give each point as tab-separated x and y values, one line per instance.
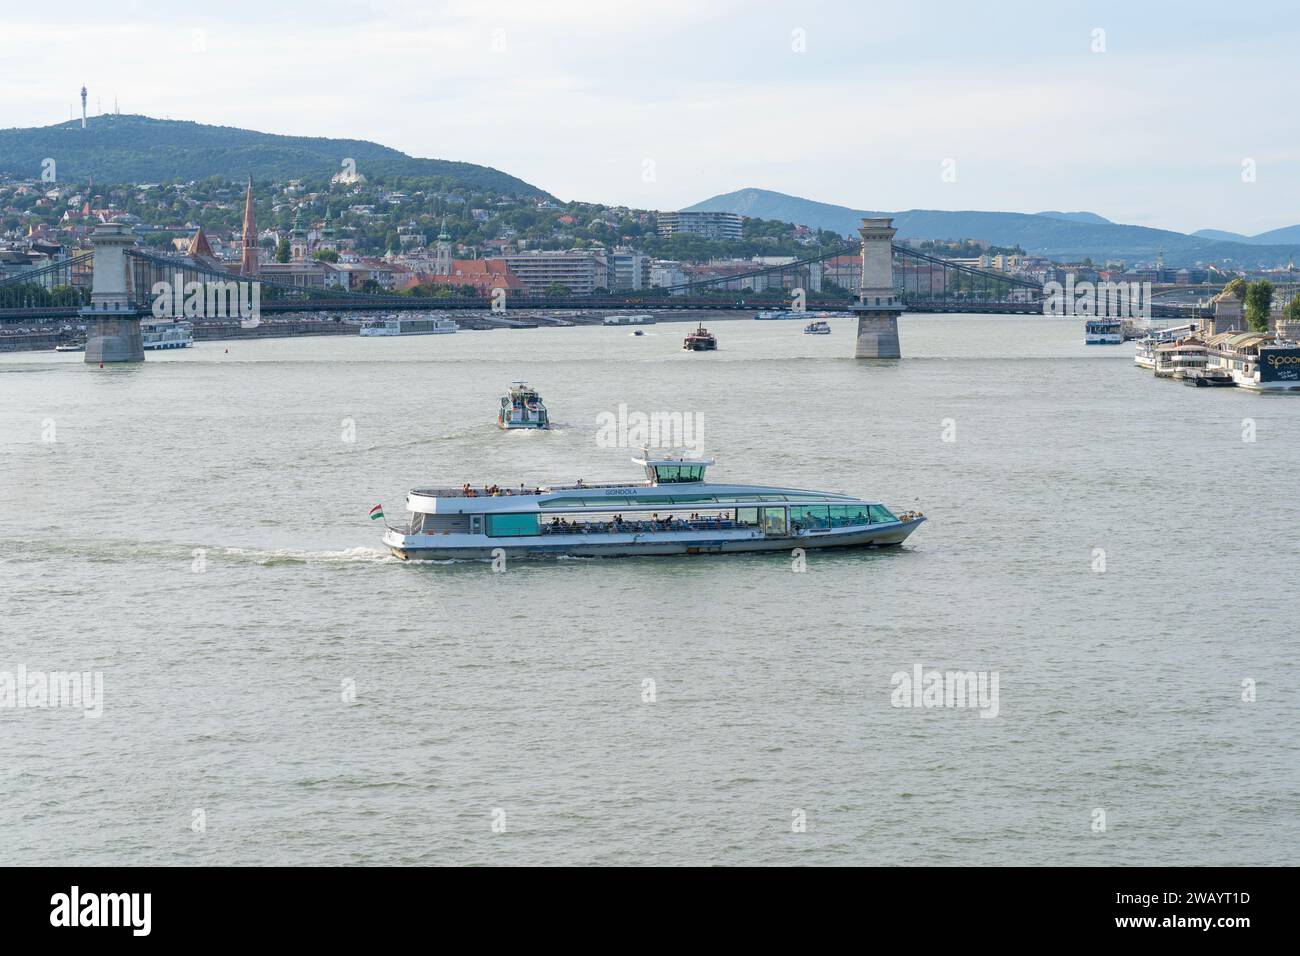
277	556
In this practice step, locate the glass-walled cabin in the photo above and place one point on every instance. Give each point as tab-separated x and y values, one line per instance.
668	471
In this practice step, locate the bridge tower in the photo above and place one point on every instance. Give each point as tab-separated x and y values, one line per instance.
112	318
877	304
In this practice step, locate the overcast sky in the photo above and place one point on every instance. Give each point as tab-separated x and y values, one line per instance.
661	103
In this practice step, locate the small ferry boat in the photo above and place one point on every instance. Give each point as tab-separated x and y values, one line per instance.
701	340
409	325
1178	359
522	407
1209	378
1103	332
70	347
166	334
817	328
674	511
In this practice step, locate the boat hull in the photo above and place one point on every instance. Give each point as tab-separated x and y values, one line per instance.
479	547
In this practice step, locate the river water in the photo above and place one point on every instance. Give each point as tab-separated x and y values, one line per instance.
1109	547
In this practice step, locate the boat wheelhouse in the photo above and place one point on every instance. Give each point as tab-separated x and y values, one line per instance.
701	340
675	510
1103	331
159	334
522	407
409	325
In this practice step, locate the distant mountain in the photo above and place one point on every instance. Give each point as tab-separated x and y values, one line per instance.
139	149
1042	234
1221	234
1287	234
1075	216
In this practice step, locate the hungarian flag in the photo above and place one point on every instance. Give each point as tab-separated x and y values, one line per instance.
376	512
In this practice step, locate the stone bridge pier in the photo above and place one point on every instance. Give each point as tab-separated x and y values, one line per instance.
877	305
112	318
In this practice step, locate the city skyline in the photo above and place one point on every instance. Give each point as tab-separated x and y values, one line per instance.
942	111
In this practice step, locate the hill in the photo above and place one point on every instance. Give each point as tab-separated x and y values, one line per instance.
1070	238
140	149
1074	216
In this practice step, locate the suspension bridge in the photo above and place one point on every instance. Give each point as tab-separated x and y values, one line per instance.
879	282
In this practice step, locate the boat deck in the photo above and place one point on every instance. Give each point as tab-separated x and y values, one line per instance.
525	491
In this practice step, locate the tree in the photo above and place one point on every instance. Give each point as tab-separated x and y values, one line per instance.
325	255
282	251
1259	301
558	290
1293	309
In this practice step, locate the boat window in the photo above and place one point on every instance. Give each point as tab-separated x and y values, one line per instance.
668	474
810	517
774	521
508	525
851	515
881	513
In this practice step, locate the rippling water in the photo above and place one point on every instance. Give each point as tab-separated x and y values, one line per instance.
518	698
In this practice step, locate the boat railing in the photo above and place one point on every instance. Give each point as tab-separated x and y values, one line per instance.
642	527
503	491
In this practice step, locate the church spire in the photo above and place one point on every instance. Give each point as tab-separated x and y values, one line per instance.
248	258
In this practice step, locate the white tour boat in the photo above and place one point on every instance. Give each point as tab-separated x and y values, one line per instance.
1103	332
1258	361
522	407
1145	353
166	334
1180	359
817	328
629	320
409	325
674	511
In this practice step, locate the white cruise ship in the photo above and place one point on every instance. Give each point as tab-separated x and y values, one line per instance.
409	325
674	511
166	334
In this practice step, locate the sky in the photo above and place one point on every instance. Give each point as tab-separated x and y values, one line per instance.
1178	115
